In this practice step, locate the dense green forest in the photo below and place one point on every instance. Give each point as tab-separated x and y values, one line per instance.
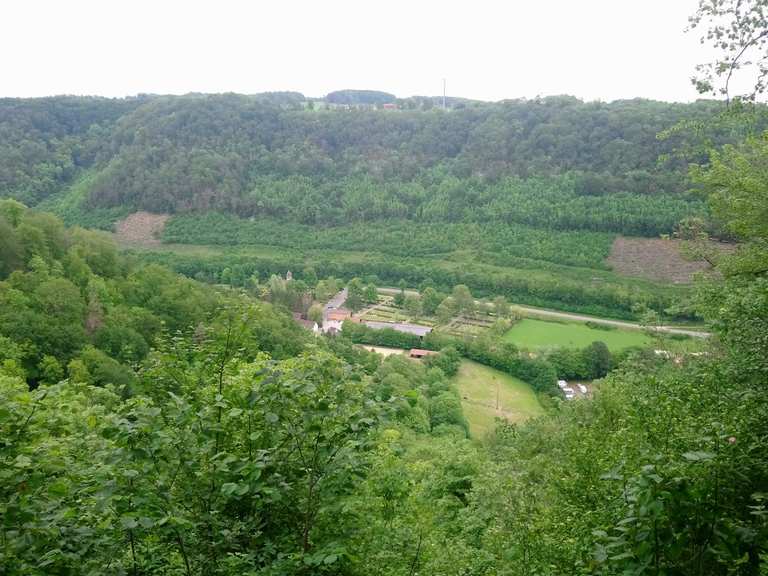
70	302
554	162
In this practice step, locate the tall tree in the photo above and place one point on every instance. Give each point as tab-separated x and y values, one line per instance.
738	31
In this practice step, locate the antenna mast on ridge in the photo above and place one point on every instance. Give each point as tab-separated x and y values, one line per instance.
443	93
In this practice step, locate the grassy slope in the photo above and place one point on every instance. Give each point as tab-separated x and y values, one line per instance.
530	333
477	385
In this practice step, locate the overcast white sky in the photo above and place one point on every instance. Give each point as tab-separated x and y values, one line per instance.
490	50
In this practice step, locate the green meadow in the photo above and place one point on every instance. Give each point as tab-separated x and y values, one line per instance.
538	334
487	393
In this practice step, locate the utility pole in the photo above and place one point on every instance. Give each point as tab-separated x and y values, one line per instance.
443	93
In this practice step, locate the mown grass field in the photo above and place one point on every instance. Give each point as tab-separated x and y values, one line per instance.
540	334
479	386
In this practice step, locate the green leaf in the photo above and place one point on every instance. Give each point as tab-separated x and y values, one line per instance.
228	488
698	456
22	461
59	488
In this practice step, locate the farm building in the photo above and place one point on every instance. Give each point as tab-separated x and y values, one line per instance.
419	353
338	315
332	326
415	329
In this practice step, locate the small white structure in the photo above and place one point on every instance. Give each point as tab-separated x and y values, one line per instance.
583	388
332	326
562	384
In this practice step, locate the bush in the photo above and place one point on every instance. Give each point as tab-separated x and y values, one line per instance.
448	360
599	326
362	334
100	369
446	409
597	360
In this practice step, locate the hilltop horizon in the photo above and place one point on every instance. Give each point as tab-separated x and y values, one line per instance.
323	97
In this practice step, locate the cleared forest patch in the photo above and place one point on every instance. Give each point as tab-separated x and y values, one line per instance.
141	229
653	258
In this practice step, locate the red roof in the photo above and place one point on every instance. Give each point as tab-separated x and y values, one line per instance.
339	314
418	352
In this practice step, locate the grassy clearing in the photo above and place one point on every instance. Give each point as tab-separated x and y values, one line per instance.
479	386
684	346
538	334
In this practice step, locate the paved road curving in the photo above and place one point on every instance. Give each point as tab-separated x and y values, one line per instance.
582	318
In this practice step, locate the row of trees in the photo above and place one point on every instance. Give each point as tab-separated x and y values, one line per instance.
590	363
563	290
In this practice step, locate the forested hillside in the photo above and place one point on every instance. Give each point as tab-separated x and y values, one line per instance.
70	304
555	162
